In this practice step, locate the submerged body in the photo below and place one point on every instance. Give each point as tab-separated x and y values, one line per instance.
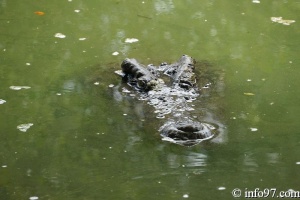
170	98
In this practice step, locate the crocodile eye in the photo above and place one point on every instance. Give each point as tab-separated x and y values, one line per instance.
141	83
139	74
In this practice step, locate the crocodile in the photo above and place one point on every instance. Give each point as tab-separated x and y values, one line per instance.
169	88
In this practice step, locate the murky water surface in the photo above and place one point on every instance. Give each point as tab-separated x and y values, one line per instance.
67	131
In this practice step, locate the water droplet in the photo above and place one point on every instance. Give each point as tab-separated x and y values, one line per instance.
185	196
253	129
221	188
125	90
115	53
33	198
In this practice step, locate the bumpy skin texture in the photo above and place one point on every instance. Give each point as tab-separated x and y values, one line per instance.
182	72
170	99
137	75
186	132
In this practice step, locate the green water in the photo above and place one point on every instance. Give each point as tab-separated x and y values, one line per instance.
82	146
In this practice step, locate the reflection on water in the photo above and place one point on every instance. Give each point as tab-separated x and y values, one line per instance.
163	6
69	86
191	160
195	160
273	158
250	162
3	3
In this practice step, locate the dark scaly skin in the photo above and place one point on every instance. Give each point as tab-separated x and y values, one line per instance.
186	131
182	72
138	75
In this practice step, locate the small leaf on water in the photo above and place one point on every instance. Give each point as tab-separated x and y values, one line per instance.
24	127
253	129
282	21
248	93
40	13
19	87
59	35
2	101
131	40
